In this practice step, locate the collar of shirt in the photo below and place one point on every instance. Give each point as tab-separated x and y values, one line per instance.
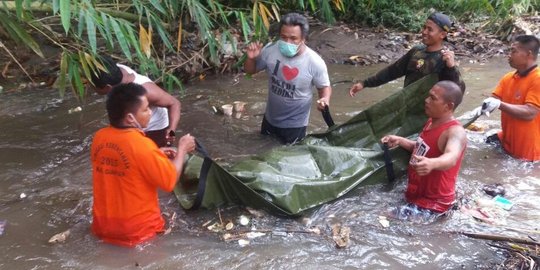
525	72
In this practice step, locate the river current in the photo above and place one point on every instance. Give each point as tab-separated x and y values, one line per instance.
46	188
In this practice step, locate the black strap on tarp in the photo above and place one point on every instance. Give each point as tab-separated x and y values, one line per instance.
327	116
388	163
202	176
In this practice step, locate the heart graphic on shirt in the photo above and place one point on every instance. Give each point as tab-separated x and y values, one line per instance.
289	73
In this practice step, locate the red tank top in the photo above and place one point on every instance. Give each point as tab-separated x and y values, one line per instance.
435	191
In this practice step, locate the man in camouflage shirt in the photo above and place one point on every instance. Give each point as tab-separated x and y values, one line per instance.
421	60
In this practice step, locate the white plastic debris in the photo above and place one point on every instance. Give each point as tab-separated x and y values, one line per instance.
76	109
22	196
59	238
384	222
243	220
252	235
243	242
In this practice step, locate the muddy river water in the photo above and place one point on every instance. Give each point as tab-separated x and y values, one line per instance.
46	188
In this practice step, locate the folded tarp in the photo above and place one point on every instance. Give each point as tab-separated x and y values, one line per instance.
322	167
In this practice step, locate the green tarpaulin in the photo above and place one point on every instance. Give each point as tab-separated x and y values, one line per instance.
323	167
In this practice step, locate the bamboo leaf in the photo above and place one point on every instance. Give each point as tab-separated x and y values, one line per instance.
75	78
121	38
133	41
245	27
91	61
107	29
85	66
275	8
163	35
80	25
263	13
145	41
18	32
65	14
96	63
63	73
91	31
19	8
254	12
171	81
158	6
313	5
55	6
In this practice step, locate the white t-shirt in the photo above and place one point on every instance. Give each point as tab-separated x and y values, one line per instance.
160	117
291	81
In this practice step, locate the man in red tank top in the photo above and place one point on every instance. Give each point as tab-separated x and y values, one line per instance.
436	154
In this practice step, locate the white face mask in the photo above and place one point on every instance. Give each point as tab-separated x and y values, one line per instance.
135	122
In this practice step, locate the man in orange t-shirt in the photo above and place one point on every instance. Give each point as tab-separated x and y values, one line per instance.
518	98
127	169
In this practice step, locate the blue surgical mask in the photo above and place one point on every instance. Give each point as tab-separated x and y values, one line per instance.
287	49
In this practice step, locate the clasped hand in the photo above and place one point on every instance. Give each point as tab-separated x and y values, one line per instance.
488	106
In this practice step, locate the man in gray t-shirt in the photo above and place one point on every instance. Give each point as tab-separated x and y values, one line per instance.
293	70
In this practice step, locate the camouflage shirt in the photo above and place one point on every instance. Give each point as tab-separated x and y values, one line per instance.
414	65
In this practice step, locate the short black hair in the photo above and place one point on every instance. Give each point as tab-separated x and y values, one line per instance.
112	76
452	92
123	99
530	42
295	19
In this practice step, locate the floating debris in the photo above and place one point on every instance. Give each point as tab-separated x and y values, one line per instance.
60	237
243	242
252	235
340	235
22	196
2	226
216	227
384	221
229	226
76	109
314	230
243	220
476	127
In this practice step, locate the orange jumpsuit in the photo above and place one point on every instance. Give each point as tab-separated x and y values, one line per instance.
520	138
127	169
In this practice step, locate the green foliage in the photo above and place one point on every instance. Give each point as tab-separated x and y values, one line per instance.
410	15
147	32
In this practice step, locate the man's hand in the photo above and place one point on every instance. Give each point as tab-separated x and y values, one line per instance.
169	152
391	140
186	144
357	87
448	58
489	105
476	111
321	103
422	165
253	50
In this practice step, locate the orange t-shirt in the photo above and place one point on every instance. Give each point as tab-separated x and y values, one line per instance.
520	138
127	169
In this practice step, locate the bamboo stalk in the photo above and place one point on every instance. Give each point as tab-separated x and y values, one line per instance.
500	238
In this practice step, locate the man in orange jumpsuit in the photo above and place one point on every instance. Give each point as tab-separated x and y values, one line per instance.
518	98
127	169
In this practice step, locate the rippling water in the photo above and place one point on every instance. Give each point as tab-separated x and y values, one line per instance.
44	154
